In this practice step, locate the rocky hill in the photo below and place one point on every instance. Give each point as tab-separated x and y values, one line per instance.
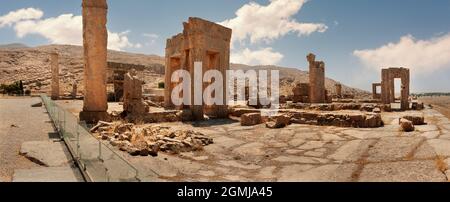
13	46
32	66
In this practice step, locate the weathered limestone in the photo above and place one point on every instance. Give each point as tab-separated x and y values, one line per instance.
388	86
95	40
279	121
316	79
201	41
133	102
356	120
116	75
301	93
251	119
338	90
375	94
55	75
416	120
406	125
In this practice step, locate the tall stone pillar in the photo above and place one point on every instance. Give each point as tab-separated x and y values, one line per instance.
405	88
95	41
385	87
339	90
316	80
55	75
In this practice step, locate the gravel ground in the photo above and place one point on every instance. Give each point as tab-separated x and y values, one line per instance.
19	123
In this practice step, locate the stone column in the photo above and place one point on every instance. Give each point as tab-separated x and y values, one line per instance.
55	75
405	89
95	40
316	80
339	90
385	88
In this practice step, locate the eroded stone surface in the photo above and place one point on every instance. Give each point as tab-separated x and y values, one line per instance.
46	153
403	171
393	149
352	150
326	173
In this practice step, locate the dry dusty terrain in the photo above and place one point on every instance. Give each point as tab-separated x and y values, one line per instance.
21	124
308	153
440	103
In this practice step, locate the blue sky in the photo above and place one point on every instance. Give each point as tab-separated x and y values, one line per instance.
354	45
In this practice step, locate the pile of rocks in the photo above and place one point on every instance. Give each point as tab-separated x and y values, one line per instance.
408	122
150	140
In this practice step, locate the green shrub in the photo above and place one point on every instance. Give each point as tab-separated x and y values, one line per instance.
161	85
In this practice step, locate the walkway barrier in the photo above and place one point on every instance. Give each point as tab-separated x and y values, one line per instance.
97	161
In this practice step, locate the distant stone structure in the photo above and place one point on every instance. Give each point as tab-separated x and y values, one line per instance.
301	93
316	80
133	102
55	75
116	76
74	90
388	86
95	40
338	90
201	41
375	94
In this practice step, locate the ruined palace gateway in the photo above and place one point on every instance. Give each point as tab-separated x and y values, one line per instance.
201	41
316	80
95	38
388	86
55	75
133	102
375	94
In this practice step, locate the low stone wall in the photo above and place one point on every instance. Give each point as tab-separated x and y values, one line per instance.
362	120
338	119
338	106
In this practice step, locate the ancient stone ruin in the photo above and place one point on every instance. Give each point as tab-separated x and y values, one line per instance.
133	102
95	40
317	92
388	86
201	41
338	90
301	93
116	76
55	75
375	94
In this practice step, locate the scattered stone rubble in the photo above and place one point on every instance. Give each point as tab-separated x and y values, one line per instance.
355	120
149	140
367	107
408	122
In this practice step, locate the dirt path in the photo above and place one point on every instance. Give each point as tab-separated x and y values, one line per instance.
19	123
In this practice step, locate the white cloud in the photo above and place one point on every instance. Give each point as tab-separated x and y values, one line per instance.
264	56
265	23
269	22
421	56
152	38
63	29
19	15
